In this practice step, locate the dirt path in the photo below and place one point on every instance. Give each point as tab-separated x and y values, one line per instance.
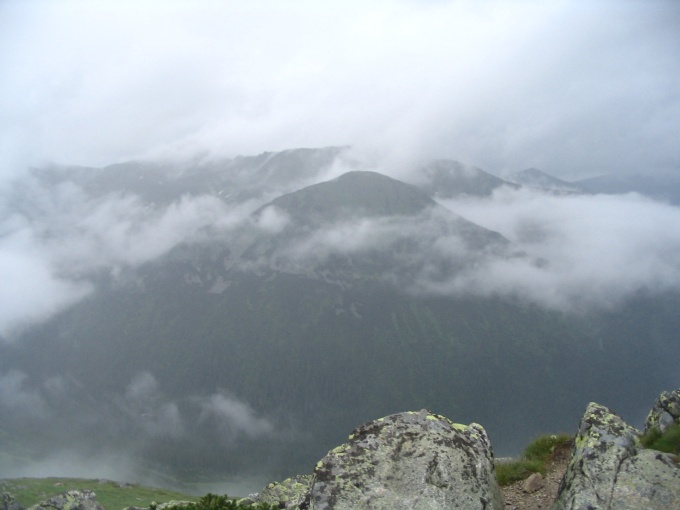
516	498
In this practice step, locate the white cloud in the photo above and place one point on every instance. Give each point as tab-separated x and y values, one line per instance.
272	220
595	251
31	291
145	406
233	417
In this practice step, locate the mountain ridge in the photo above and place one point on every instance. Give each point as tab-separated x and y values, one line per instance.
444	179
535	178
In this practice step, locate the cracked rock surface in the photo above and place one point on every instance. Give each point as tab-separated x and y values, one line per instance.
406	461
609	470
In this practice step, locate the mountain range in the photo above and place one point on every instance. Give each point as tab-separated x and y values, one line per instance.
308	295
535	178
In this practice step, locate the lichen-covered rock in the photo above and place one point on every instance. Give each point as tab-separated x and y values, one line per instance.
291	494
250	500
9	502
407	461
666	411
649	480
71	500
609	470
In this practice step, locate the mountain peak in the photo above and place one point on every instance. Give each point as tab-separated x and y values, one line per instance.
354	193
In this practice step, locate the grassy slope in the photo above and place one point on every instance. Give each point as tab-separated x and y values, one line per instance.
112	495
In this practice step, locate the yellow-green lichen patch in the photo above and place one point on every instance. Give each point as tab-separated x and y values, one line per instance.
340	450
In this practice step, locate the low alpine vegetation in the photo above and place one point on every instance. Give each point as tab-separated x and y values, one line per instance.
516	470
667	441
534	459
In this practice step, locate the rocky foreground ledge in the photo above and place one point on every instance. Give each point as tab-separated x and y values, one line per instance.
420	460
424	461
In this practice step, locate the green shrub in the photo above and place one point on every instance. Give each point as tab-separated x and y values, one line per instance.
536	456
215	502
543	447
668	441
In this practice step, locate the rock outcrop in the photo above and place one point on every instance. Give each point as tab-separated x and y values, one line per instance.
71	500
291	494
610	470
9	502
406	461
173	504
666	412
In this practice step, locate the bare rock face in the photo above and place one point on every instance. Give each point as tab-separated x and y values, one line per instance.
609	470
406	461
71	500
666	411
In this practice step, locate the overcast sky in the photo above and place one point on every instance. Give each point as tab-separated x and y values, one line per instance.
575	88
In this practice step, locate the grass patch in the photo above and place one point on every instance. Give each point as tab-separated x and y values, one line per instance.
112	495
667	442
535	458
516	470
543	447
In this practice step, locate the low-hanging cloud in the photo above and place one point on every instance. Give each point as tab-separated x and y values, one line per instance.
585	250
57	238
402	249
272	220
31	291
146	407
18	397
233	417
569	252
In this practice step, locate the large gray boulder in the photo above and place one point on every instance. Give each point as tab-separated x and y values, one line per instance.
666	412
407	461
609	470
71	500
